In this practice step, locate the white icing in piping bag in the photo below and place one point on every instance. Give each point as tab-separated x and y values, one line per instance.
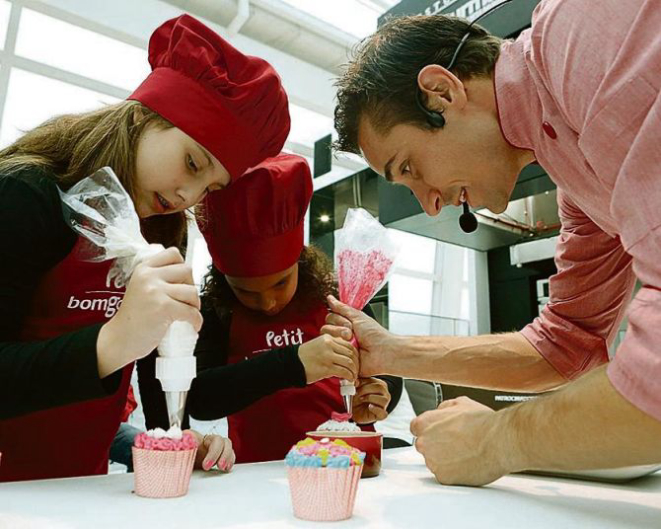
175	368
99	208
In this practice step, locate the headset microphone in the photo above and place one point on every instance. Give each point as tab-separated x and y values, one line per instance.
467	221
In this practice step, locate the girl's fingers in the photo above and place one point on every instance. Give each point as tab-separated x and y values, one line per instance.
214	447
226	459
379	400
368	413
166	257
341	372
377	412
340	347
337	331
177	273
185	294
184	312
336	320
375	386
346	362
340	344
229	462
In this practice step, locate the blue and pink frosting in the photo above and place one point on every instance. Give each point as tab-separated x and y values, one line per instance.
324	454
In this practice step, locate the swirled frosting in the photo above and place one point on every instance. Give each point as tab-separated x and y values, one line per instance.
172	440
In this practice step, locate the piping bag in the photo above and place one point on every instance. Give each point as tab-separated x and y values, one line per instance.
365	252
99	208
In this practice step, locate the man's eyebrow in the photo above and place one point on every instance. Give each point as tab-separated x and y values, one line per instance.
387	171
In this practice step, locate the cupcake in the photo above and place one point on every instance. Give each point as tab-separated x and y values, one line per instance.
163	462
323	479
340	427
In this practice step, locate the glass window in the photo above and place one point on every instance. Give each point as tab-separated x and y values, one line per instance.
81	51
32	99
409	324
466	264
409	294
442	326
418	253
464	311
462	328
307	126
5	9
353	16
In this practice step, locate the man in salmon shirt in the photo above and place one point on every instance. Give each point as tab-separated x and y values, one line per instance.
454	114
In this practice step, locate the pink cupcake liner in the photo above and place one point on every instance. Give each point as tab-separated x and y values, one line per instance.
323	494
162	474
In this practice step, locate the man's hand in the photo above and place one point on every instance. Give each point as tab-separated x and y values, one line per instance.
375	342
457	443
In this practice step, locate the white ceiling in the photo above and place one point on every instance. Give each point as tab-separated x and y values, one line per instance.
297	32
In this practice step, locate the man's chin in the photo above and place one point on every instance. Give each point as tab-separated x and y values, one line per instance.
497	209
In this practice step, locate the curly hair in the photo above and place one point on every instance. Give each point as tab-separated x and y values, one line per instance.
381	79
316	280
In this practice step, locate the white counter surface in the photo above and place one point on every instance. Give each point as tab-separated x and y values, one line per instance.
404	495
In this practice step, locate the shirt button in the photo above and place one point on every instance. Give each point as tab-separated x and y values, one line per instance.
550	131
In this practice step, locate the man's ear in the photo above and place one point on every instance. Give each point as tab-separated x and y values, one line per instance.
440	88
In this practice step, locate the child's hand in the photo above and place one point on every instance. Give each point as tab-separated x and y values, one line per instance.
371	400
326	356
213	450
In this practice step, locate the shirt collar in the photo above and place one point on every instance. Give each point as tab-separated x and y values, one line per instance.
517	102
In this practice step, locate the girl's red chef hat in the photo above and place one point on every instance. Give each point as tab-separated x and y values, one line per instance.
232	104
255	227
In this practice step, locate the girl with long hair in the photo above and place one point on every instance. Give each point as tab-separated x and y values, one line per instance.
68	338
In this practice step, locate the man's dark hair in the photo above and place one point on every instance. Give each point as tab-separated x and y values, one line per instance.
381	79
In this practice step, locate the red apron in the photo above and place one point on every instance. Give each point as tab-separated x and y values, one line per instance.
267	429
71	440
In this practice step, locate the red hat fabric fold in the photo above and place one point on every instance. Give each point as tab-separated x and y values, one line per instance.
255	227
233	104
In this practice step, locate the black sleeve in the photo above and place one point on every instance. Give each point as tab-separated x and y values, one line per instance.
395	384
33	238
220	389
151	394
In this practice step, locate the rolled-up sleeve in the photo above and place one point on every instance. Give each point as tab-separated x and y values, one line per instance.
636	370
588	295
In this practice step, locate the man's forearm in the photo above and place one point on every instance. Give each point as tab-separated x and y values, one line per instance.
506	362
586	425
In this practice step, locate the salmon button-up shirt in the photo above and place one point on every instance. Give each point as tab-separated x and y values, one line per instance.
581	88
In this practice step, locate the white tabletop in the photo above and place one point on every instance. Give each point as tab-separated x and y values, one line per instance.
404	495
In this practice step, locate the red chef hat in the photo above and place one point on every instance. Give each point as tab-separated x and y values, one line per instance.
232	104
255	227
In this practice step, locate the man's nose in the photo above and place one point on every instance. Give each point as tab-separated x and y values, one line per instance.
429	200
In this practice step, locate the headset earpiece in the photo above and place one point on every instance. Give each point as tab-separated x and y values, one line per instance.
434	118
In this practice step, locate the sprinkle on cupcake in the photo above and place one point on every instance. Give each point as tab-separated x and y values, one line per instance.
324	453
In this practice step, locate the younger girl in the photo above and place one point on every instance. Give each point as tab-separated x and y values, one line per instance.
263	306
67	348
